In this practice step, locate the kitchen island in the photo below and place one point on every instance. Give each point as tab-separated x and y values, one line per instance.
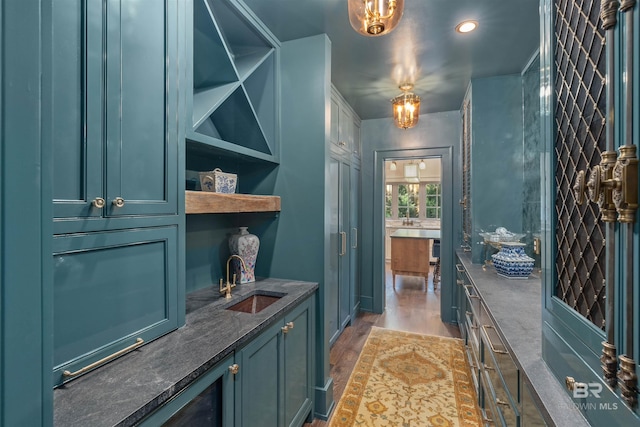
410	252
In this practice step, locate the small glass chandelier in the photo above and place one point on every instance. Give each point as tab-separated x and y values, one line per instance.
375	17
406	107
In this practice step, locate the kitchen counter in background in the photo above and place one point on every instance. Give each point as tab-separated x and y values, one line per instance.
515	305
129	388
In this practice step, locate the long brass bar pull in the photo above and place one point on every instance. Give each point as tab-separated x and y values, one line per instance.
343	243
138	343
625	197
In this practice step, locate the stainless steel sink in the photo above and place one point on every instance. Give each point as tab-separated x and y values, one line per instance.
254	303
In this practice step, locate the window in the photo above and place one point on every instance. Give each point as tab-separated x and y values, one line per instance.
388	200
433	200
408	200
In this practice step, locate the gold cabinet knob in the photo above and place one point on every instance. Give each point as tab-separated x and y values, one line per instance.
234	368
98	202
118	202
502	402
290	325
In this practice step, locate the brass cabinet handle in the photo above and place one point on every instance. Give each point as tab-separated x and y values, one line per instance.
98	202
343	246
138	343
467	287
460	268
355	233
118	202
502	402
487	367
285	329
234	368
290	325
460	282
484	328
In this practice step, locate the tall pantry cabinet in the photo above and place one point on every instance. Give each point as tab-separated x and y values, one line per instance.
116	167
343	282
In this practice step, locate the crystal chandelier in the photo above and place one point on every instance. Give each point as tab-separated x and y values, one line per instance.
375	17
406	108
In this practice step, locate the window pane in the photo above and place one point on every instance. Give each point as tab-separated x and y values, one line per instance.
408	200
387	200
433	200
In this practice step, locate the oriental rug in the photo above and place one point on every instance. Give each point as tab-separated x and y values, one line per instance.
409	380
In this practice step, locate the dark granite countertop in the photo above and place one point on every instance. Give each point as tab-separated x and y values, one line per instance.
127	389
515	305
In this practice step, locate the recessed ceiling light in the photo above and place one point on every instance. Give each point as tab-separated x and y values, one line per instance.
466	26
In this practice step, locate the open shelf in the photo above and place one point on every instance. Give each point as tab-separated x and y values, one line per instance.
203	202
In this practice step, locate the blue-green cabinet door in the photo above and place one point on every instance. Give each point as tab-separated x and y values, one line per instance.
109	289
115	103
335	243
141	107
258	381
354	244
298	364
345	252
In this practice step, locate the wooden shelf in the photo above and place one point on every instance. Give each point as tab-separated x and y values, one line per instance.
202	202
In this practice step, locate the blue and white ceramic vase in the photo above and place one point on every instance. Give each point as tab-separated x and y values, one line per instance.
245	245
512	262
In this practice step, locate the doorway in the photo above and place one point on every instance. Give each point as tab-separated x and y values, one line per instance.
384	160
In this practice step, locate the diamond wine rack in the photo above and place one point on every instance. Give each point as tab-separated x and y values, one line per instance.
235	105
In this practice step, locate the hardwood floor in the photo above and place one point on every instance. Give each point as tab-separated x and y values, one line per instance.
410	307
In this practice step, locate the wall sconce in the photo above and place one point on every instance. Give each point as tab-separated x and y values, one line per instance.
406	108
422	165
375	17
393	166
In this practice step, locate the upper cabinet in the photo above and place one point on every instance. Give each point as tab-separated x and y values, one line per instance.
235	103
345	127
115	92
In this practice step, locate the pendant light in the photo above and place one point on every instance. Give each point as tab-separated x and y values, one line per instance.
375	17
406	108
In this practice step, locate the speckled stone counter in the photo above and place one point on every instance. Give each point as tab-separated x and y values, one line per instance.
515	305
127	389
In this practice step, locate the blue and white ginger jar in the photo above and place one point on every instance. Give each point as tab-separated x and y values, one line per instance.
246	245
512	262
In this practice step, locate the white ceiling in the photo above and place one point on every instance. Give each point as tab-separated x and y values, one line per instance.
424	48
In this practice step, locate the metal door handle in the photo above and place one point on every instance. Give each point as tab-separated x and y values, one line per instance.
343	246
355	233
138	343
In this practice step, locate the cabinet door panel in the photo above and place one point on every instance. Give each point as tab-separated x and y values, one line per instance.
141	150
354	213
333	279
76	107
109	289
257	398
344	217
297	362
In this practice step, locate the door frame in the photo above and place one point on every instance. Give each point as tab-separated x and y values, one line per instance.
447	306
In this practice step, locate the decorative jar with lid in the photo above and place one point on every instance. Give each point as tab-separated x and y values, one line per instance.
512	262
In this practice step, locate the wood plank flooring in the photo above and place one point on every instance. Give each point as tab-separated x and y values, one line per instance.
412	306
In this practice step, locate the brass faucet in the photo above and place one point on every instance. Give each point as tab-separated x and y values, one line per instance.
226	288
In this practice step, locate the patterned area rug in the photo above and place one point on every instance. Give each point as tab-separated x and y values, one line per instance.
409	380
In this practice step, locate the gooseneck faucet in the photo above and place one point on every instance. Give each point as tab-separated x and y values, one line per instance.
226	288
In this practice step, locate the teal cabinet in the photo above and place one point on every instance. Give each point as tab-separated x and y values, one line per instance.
343	284
274	382
109	289
206	402
114	107
117	143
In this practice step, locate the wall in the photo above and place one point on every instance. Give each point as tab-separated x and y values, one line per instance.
532	151
496	157
435	133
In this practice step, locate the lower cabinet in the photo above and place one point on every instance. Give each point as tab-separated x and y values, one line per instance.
503	393
274	384
266	383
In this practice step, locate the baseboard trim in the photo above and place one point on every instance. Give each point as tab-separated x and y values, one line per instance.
324	401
